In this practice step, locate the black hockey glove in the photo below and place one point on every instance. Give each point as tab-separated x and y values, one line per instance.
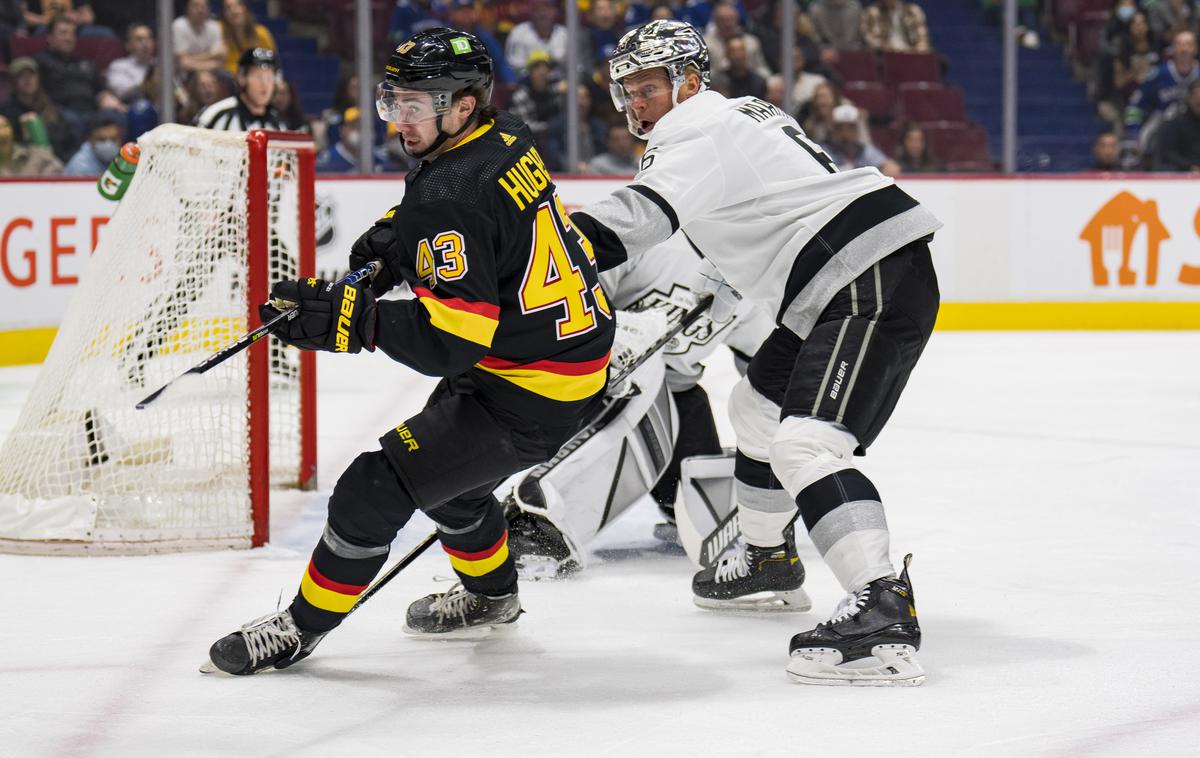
375	244
339	318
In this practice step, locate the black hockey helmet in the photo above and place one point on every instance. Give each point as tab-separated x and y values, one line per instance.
441	62
664	43
256	57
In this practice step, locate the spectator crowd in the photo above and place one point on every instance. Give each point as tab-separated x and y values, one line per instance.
79	76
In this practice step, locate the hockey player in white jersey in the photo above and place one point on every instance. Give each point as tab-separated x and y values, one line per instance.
642	439
841	260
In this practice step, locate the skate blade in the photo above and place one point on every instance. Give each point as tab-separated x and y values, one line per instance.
792	601
894	666
208	667
481	632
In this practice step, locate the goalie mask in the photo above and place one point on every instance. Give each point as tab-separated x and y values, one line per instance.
424	74
666	44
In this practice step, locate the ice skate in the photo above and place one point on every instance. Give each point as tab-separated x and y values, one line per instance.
666	530
753	579
539	549
872	639
271	641
460	614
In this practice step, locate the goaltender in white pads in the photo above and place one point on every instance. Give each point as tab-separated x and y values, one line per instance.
841	259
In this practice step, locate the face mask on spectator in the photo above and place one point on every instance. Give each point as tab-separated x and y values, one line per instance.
105	149
1125	12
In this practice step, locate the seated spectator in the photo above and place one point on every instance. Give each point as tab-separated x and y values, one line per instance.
591	135
251	108
409	17
620	159
895	26
241	32
142	115
845	147
104	140
598	84
737	79
125	75
912	154
804	81
73	83
817	115
1135	61
1178	147
1169	17
1106	153
535	100
197	39
662	11
465	17
342	158
725	26
201	89
600	35
18	159
541	32
766	29
80	14
1164	89
1113	38
838	23
287	104
30	109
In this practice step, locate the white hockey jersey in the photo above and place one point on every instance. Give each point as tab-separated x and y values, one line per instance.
668	274
761	201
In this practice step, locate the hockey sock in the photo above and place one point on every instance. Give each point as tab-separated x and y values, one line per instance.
478	546
764	508
845	520
337	574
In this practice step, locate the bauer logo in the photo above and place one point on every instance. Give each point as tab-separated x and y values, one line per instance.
837	383
342	339
409	441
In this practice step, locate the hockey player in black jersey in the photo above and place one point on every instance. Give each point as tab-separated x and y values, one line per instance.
508	310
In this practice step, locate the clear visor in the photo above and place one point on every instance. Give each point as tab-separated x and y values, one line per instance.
409	106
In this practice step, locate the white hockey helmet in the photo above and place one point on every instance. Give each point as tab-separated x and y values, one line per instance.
667	44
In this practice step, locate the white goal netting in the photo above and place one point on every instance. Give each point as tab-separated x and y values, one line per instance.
167	286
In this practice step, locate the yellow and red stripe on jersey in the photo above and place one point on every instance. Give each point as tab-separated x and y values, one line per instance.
482	561
472	321
326	594
557	380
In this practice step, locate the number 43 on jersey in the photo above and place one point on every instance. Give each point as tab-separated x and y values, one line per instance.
554	275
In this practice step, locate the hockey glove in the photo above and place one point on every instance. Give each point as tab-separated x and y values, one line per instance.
725	298
375	244
339	318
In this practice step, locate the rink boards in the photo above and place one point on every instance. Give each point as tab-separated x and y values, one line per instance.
1024	253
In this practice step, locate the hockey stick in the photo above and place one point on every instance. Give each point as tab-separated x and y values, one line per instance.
602	419
224	354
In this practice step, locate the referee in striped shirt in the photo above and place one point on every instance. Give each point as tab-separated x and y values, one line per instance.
251	108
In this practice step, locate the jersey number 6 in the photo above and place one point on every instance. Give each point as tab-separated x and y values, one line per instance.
554	276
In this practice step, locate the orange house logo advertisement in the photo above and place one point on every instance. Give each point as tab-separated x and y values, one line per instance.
1112	231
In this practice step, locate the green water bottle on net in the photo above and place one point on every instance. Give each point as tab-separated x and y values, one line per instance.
116	178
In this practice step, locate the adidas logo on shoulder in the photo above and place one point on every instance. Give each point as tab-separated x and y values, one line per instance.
508	139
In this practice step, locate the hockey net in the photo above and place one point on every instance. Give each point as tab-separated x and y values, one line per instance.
210	219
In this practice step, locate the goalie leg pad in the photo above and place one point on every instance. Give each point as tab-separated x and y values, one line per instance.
599	475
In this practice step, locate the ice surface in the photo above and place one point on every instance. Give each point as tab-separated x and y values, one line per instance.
1046	483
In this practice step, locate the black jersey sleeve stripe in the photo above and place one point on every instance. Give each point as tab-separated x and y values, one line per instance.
610	251
658	200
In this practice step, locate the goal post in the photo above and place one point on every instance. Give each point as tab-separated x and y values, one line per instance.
210	220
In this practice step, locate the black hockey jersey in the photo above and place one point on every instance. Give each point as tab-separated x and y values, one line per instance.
506	289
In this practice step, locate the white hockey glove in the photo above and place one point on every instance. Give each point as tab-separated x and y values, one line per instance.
725	297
